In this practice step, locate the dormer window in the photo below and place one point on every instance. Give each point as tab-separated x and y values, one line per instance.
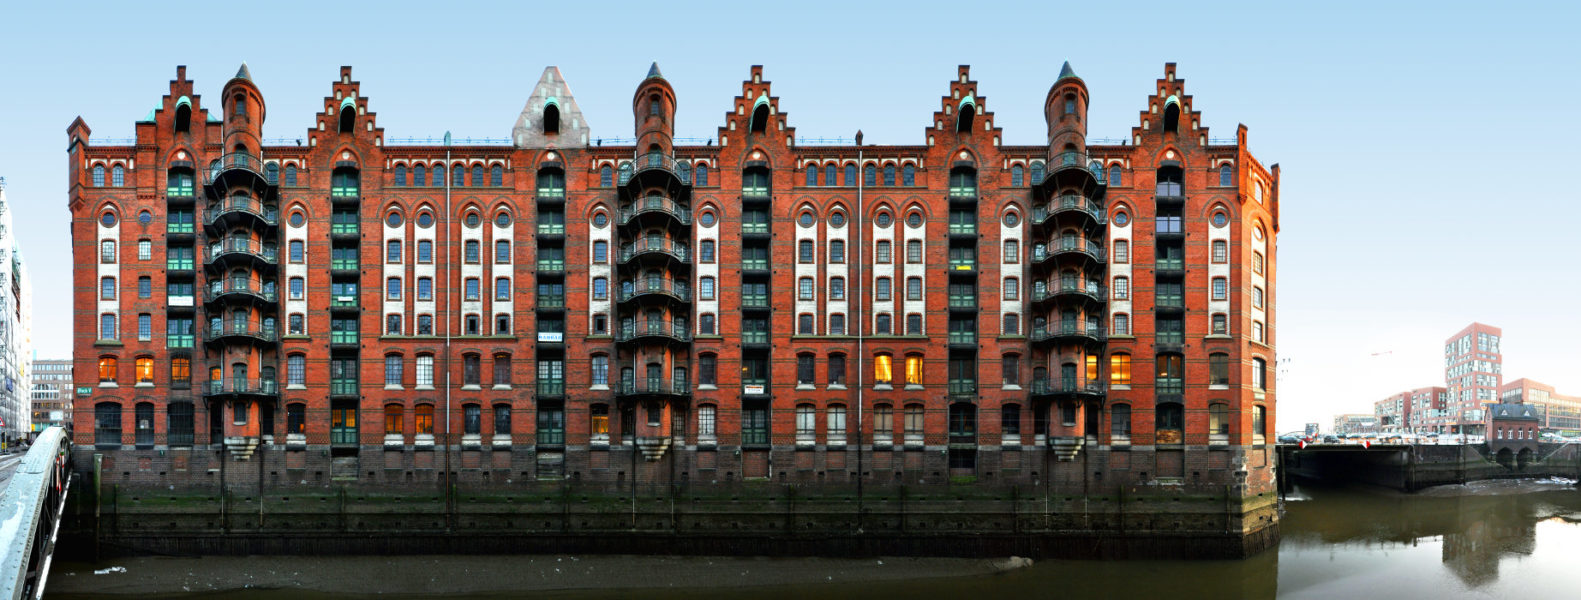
348	117
760	118
963	123
551	119
1172	117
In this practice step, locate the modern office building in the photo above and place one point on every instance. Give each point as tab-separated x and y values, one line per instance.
638	307
1355	424
1558	413
52	393
1473	375
16	330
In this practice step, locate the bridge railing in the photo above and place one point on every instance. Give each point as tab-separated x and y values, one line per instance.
30	511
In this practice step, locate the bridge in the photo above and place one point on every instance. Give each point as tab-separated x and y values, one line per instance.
30	510
1410	467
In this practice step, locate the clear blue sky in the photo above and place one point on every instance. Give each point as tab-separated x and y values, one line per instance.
1424	150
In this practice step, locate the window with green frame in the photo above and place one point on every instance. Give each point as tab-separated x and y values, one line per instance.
343	183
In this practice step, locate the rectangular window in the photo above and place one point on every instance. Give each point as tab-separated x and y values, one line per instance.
805	288
472	288
425	370
425	288
705	422
1122	288
837	288
914	288
425	251
804	369
881	253
837	324
502	369
107	327
1257	263
837	369
706	251
1257	297
1220	288
1122	251
1218	369
1010	369
502	288
706	369
1012	252
393	288
1221	251
882	291
145	250
1012	289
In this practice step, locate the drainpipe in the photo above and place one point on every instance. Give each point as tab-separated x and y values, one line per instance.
856	313
450	484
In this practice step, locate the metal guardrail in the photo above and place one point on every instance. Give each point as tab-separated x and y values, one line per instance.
30	511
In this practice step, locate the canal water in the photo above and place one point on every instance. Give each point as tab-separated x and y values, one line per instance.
1483	540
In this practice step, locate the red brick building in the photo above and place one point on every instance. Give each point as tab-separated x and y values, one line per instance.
1473	374
356	307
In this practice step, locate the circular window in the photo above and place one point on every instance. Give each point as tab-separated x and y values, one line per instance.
1258	233
707	219
1120	218
394	220
805	219
473	220
883	219
600	220
107	219
837	219
145	217
1220	219
297	219
1012	219
502	220
914	219
425	220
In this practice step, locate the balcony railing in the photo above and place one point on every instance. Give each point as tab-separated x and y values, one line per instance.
233	286
755	228
242	386
754	337
1169	385
1067	386
267	212
174	263
963	337
1093	291
1075	160
344	264
1170	301
345	228
654	385
660	328
179	340
1097	253
755	192
1068	203
649	161
680	251
962	387
551	193
343	337
963	264
655	204
547	301
1170	264
675	289
755	264
1073	330
551	387
963	228
234	160
343	387
963	301
264	252
343	301
551	265
755	436
963	192
551	229
267	334
180	228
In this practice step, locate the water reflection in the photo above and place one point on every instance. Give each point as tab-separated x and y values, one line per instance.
1493	539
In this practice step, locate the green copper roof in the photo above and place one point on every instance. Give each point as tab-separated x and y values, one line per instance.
243	73
347	102
653	71
1066	71
150	117
969	99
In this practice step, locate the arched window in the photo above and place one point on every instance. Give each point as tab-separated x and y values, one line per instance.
477	175
869	175
290	175
812	175
1037	173
496	175
439	175
419	175
1226	175
1122	324
145	370
831	175
393	419
98	175
1169	182
1169	419
1016	176
118	176
1114	175
183	115
1218	422
908	175
1172	117
889	175
1070	104
272	173
400	175
423	420
850	174
606	176
458	175
963	120
551	119
702	175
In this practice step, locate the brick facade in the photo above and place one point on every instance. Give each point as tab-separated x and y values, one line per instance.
1074	375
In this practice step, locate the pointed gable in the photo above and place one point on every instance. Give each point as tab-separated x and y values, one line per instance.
756	115
552	98
963	115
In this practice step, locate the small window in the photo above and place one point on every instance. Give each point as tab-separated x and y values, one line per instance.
600	251
1226	175
881	289
1016	176
600	288
705	288
1221	251
881	252
805	252
1120	368
804	325
1012	251
1012	324
1122	288
914	288
1220	288
1012	288
914	249
1114	175
805	288
1122	251
1257	263
1122	324
706	252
